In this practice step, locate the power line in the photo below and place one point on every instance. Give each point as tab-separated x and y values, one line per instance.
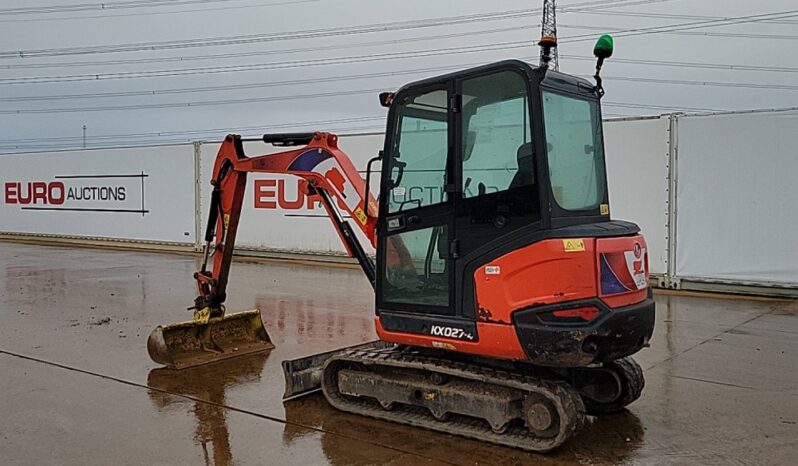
671	16
341	131
269	37
223	56
217	131
279	98
260	84
227	87
228	7
158	13
73	141
657	107
692	25
264	66
202	103
34	143
336	61
684	82
687	64
103	6
211	70
744	35
315	33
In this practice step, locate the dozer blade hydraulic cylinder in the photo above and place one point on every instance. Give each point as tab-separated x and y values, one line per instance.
192	343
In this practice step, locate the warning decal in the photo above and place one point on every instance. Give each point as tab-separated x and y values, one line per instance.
361	216
573	245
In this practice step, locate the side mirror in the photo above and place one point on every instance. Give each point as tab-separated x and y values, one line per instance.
397	171
378	158
602	50
386	98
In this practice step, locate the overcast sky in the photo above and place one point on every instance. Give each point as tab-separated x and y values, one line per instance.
253	65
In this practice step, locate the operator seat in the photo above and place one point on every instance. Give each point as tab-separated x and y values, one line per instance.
526	166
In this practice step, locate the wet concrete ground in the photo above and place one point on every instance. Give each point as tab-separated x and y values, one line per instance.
77	386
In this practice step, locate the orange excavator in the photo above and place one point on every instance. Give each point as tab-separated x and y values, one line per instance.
507	301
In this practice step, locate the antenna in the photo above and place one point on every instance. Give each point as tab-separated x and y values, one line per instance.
548	37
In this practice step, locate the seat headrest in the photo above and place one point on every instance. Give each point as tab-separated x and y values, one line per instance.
525	151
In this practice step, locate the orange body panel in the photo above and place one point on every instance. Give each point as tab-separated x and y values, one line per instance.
548	272
542	273
495	340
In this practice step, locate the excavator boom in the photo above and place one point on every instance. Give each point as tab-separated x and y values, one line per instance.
327	172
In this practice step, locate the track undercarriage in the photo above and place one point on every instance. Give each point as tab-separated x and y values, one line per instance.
519	406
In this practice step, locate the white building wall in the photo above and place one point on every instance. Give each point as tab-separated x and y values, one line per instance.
142	193
736	197
732	210
637	173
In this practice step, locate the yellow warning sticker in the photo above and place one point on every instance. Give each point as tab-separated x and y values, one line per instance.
361	216
605	209
573	245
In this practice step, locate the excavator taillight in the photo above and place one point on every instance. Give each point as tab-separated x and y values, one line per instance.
577	315
584	313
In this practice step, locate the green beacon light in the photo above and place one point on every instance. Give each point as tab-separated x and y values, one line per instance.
602	51
603	48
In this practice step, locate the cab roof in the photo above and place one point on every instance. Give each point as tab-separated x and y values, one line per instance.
547	78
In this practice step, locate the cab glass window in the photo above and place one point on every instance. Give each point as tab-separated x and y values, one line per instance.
416	270
418	165
574	150
497	145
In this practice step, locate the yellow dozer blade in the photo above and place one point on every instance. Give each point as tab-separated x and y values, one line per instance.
192	343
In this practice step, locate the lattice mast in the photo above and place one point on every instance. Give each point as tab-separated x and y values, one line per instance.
548	36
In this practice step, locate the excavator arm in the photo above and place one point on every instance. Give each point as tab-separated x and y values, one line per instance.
327	173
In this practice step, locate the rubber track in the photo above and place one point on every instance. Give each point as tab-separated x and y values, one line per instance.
634	381
567	401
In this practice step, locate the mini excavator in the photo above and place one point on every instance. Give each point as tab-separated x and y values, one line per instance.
507	301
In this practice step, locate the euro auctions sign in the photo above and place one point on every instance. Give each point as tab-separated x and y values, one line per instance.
117	193
140	194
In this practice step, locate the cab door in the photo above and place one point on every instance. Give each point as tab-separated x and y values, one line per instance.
416	207
499	192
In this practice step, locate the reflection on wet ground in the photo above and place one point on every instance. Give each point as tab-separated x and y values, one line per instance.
206	385
78	387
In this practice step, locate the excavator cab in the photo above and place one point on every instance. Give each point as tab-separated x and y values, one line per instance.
493	208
